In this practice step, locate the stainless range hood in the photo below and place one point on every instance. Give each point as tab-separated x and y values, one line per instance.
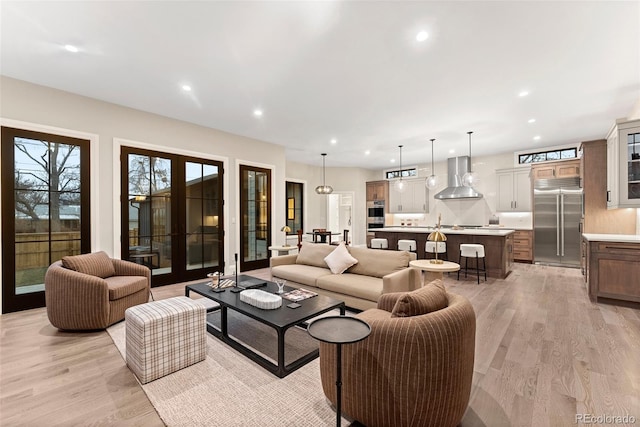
456	167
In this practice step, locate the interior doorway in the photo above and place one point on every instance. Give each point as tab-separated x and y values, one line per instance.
340	213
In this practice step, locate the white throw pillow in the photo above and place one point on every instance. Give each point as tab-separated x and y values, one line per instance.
340	259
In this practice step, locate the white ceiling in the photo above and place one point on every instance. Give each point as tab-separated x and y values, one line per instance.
346	70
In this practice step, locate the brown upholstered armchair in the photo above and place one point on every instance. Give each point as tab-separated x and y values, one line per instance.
411	371
92	291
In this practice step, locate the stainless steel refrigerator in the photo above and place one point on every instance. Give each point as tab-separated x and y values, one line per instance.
557	210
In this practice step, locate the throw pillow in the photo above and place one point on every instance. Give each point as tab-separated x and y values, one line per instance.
96	264
432	297
340	259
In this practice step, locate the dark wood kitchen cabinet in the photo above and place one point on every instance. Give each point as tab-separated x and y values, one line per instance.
613	270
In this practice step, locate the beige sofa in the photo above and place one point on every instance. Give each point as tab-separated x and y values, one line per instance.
360	286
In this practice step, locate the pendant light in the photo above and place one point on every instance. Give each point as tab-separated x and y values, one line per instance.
399	184
324	189
470	178
432	180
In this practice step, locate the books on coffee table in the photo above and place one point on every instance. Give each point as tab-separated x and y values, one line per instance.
298	294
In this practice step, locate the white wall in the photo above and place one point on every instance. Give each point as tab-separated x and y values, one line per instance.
32	104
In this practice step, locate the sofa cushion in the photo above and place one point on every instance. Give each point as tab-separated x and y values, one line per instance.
340	259
313	254
96	264
431	297
377	263
303	274
122	286
355	285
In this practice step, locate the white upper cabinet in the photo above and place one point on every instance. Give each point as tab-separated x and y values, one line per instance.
412	200
514	190
623	165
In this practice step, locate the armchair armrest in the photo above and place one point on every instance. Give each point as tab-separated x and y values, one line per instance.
74	298
283	260
128	268
405	280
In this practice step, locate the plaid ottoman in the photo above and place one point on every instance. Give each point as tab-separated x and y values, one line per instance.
164	336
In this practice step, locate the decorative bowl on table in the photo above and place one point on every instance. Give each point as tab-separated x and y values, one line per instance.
261	299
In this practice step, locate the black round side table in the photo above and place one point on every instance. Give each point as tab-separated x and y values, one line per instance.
339	330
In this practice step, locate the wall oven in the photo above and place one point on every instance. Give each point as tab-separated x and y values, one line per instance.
375	212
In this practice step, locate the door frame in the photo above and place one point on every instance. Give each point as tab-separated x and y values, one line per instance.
352	231
94	165
118	143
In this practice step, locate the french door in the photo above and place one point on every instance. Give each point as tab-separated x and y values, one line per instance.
255	208
172	214
45	210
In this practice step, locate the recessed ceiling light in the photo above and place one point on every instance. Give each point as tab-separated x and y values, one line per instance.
532	120
71	48
257	113
186	88
452	151
422	36
393	160
523	93
536	138
334	141
366	153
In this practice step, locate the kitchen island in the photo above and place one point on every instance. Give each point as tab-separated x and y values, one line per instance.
498	244
612	266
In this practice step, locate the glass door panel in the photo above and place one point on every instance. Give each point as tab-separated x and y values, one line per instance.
45	192
203	214
255	207
148	212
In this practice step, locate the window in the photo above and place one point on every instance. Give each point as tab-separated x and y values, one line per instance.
546	156
294	191
405	173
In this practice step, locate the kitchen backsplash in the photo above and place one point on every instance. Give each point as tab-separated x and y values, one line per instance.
461	216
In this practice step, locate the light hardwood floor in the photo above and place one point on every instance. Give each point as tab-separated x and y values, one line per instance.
544	353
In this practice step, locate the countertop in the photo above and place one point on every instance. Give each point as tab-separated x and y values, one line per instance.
619	238
493	231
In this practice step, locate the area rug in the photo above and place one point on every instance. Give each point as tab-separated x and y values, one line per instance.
228	389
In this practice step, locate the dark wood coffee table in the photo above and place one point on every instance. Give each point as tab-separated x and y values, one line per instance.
280	319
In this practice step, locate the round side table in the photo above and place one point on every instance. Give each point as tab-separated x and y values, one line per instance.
283	250
339	330
433	271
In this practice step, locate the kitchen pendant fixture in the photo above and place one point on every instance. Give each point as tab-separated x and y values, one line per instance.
399	184
470	178
432	180
324	189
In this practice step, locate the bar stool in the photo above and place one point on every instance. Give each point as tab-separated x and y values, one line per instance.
437	247
379	244
476	251
407	245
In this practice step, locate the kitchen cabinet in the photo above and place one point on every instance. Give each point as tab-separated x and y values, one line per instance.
377	190
613	268
523	245
412	200
514	190
560	169
623	165
593	176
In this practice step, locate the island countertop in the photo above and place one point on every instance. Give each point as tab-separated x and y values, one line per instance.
469	231
618	238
